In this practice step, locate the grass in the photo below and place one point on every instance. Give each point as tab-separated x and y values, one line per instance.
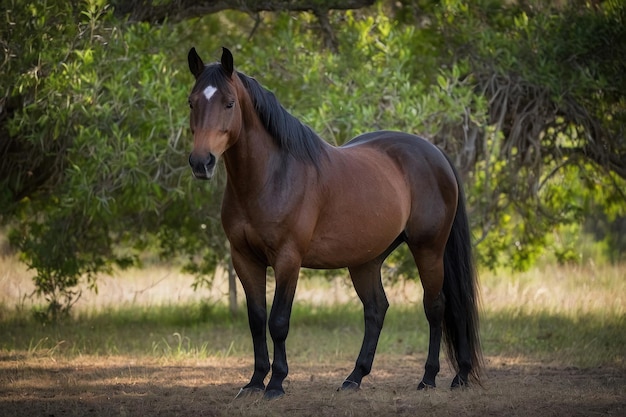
570	316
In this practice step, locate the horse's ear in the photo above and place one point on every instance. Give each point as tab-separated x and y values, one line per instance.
196	66
227	61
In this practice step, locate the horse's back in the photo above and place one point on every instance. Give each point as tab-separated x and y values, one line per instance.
389	139
413	153
384	135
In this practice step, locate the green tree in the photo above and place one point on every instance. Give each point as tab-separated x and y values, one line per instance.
528	98
555	88
94	166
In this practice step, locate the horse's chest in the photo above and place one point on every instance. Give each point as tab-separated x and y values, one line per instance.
261	234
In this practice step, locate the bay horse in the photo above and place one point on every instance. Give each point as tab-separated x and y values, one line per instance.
292	200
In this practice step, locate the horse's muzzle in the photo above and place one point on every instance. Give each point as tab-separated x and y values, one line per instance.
202	167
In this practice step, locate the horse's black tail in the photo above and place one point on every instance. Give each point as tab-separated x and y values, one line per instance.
460	288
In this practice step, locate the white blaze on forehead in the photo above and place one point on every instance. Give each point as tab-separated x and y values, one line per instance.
209	91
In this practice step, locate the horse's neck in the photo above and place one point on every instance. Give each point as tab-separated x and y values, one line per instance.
260	175
250	161
255	164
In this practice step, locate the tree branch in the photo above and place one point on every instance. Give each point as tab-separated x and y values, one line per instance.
330	40
177	10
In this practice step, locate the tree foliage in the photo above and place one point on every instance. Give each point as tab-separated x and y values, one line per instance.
94	140
94	165
176	10
556	102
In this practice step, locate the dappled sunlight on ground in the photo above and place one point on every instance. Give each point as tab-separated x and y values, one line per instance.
130	386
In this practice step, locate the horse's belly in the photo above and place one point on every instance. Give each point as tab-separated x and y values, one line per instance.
352	243
326	258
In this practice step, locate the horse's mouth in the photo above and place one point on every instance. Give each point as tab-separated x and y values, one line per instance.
203	175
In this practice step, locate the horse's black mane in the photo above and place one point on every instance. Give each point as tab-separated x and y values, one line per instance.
291	135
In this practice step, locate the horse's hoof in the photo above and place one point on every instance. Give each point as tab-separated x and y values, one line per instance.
459	382
249	392
273	394
424	386
349	386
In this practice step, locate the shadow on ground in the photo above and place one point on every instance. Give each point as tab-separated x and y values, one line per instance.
122	386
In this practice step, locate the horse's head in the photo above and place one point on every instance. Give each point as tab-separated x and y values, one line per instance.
215	112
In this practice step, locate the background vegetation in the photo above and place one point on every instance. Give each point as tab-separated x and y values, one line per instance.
527	97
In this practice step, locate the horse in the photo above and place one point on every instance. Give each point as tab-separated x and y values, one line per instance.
292	200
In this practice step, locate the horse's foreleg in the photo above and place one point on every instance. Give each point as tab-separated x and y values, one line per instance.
253	280
368	285
286	281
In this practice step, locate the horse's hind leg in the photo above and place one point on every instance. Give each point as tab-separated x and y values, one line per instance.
368	285
430	266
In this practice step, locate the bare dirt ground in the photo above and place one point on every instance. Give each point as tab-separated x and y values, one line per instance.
124	386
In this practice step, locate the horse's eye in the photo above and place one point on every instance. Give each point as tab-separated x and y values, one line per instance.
230	104
190	105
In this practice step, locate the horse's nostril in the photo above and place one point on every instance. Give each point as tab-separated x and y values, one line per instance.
211	161
201	163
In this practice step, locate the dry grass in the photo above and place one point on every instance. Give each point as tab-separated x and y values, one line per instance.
570	289
151	286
